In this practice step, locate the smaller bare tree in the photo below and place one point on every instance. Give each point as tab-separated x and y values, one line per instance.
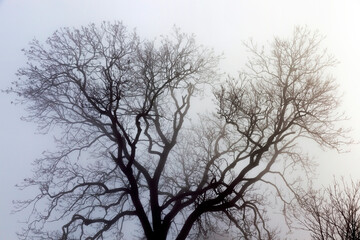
333	213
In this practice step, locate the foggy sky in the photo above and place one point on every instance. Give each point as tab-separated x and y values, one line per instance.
222	25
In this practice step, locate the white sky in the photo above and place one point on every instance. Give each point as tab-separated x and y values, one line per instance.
222	25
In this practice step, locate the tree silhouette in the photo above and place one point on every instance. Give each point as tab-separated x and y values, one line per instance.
333	213
128	151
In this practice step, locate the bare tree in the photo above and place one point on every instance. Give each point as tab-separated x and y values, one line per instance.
333	213
128	151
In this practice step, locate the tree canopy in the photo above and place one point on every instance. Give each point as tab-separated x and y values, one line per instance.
333	213
128	151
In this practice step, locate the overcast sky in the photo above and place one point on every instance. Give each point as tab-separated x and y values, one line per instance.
222	25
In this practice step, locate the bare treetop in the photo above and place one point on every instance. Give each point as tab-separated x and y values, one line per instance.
129	154
333	213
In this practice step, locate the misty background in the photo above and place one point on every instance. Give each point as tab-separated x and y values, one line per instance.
221	25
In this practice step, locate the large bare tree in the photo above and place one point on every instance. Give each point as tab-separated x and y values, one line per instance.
129	153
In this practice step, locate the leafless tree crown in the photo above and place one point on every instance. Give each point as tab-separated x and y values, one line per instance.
129	153
333	213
